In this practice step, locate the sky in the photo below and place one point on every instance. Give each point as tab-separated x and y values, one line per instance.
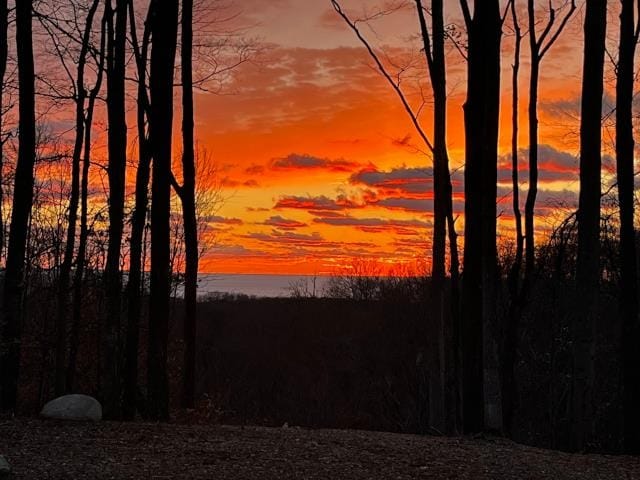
318	166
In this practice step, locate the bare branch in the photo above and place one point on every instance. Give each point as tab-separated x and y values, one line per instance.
384	72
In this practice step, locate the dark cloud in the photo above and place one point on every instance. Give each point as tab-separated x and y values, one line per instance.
222	220
319	203
230	183
258	209
553	165
376	225
283	223
408	204
254	170
295	161
398	180
290	238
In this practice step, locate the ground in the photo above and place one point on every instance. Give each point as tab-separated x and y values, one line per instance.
53	450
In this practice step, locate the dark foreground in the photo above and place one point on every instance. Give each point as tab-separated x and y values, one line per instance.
43	449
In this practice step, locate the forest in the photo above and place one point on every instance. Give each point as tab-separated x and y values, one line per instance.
103	218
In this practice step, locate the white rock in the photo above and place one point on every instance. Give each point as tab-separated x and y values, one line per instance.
73	407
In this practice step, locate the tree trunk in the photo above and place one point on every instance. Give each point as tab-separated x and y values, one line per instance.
74	200
481	386
76	308
138	220
628	255
4	52
164	26
188	198
22	202
117	147
534	77
588	262
510	347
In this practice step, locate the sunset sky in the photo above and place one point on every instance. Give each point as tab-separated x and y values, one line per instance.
319	164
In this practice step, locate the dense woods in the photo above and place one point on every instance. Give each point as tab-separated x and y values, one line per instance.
515	342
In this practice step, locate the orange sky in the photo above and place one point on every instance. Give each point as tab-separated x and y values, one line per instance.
318	162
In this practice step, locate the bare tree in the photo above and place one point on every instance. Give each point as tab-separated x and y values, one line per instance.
55	28
138	218
539	46
187	194
509	387
629	31
588	261
4	53
78	276
117	145
22	201
481	386
443	389
164	31
442	381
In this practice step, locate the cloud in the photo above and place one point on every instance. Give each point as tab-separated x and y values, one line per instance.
230	183
257	209
408	204
254	170
571	107
415	181
283	223
318	203
376	225
222	220
296	161
553	165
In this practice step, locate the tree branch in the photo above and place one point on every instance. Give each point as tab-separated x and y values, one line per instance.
383	71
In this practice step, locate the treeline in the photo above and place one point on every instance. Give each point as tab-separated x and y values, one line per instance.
475	350
117	224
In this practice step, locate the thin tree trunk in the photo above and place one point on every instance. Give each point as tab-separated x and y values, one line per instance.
74	200
164	26
22	202
4	51
138	219
539	46
436	67
76	309
188	198
588	261
481	385
628	256
117	146
510	347
532	194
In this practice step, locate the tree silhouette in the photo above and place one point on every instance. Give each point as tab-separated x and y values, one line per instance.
164	26
509	349
481	400
443	395
539	46
138	217
81	260
629	30
187	194
4	53
117	146
55	29
588	261
22	201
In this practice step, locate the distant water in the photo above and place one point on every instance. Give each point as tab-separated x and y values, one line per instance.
258	285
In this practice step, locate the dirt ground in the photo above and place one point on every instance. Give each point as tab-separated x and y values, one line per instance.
54	450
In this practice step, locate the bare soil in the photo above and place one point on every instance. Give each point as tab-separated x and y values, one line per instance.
55	450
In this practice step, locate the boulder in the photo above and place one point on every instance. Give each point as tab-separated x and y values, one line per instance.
73	407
